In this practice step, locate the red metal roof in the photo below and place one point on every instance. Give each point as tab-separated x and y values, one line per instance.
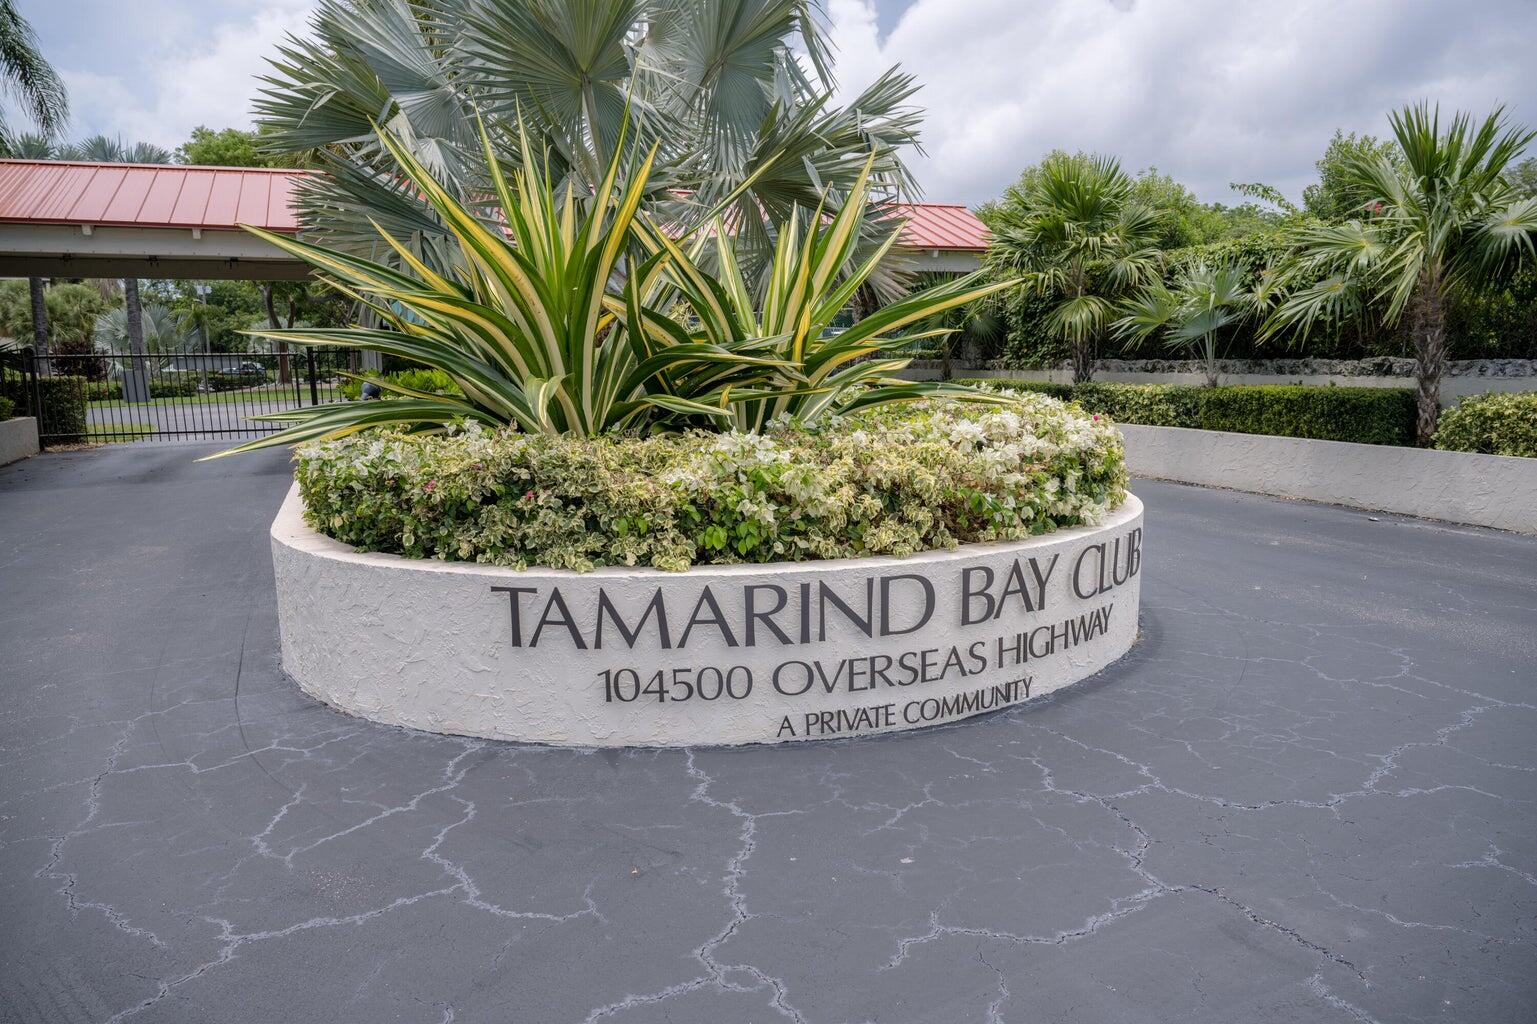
146	195
941	226
169	196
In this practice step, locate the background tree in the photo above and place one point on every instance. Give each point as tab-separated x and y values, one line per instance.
237	147
28	79
1523	177
113	150
1439	221
37	88
1080	240
227	147
729	90
1336	196
1204	302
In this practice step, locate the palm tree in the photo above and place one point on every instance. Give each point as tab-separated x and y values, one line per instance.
109	149
112	150
162	333
40	91
28	77
715	84
1437	226
1191	315
1078	238
34	146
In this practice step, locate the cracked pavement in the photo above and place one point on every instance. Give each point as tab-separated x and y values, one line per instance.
1308	794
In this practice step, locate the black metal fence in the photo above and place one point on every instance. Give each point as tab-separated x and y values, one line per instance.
97	398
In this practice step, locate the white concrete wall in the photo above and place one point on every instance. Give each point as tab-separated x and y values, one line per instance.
1452	388
18	439
1481	490
433	645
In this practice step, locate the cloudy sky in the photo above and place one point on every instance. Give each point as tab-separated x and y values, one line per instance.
1211	91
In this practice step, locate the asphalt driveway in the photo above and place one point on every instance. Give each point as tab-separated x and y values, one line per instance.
1309	794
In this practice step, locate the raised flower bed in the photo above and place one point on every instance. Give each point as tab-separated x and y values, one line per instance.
884	572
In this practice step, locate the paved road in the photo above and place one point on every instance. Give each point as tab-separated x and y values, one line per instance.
1308	795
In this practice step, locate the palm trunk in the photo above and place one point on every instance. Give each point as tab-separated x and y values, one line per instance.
285	374
1084	346
1083	360
39	315
1429	325
138	389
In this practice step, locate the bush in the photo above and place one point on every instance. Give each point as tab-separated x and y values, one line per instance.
1157	405
1363	415
235	381
435	381
7	409
876	483
1493	423
63	398
183	385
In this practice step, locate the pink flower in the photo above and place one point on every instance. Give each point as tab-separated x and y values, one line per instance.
429	485
528	496
1096	417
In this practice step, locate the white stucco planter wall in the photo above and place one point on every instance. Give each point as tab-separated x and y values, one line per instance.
18	439
1459	487
747	654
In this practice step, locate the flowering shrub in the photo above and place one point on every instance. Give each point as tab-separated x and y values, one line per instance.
1492	423
879	482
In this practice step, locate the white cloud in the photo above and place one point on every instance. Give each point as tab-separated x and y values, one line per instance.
207	79
1211	91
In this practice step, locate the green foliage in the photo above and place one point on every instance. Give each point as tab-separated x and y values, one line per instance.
1523	177
1337	195
434	382
160	331
235	381
1363	415
72	311
1204	302
27	78
7	408
877	483
185	385
1079	238
216	319
738	96
1157	405
228	147
1495	423
534	331
63	403
1439	223
113	150
1182	219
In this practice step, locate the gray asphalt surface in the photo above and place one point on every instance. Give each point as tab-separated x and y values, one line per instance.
1309	794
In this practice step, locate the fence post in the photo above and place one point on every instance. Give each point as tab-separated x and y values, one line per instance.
34	392
309	360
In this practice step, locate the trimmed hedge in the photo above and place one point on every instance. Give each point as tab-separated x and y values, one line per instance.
1362	415
64	404
182	386
1492	423
877	482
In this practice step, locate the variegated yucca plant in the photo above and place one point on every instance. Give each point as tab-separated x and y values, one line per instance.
561	316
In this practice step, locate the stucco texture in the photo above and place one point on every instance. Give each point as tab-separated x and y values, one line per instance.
436	646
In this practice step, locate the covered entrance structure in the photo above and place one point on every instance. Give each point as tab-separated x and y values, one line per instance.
80	220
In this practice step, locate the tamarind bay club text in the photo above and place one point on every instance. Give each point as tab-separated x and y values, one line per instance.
886	605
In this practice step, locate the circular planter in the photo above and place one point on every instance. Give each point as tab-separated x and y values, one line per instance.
718	655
